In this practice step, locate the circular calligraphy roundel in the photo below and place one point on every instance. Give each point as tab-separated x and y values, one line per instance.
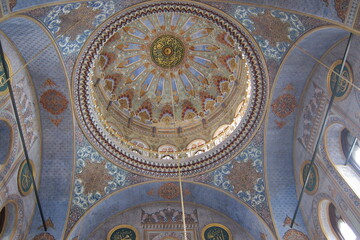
25	183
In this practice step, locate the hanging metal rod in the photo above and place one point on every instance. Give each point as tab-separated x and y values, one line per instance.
6	73
328	67
333	94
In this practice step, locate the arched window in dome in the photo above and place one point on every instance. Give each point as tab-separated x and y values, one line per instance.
220	133
341	228
196	147
139	147
167	148
221	130
351	149
195	143
139	143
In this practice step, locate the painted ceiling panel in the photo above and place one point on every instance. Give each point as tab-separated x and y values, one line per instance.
334	10
160	77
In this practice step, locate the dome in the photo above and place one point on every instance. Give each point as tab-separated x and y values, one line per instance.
160	76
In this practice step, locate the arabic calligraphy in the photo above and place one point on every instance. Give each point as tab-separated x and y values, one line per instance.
217	232
123	233
24	178
343	86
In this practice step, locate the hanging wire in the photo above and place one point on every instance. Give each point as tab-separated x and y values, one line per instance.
327	67
179	164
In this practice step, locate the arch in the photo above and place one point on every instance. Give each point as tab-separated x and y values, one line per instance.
10	218
14	217
195	143
47	72
200	194
332	222
282	139
222	130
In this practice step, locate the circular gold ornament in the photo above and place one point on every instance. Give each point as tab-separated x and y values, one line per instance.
167	51
25	183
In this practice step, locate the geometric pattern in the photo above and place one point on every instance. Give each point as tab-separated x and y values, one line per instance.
167	71
284	105
100	137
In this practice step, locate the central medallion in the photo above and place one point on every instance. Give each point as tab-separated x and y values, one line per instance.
167	51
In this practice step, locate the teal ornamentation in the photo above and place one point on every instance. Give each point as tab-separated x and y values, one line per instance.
343	86
24	178
123	232
312	183
216	232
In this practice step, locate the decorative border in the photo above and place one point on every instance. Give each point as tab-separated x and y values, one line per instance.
215	225
123	226
316	175
346	94
19	178
195	165
18	205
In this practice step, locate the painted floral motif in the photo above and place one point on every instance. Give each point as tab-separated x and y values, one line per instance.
95	177
341	7
12	4
284	105
294	234
274	30
177	59
312	114
65	21
169	191
44	236
243	177
53	101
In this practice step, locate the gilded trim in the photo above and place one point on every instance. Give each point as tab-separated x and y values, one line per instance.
19	180
316	176
184	181
215	225
328	79
123	226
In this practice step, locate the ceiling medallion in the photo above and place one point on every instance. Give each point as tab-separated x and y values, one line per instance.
166	82
167	51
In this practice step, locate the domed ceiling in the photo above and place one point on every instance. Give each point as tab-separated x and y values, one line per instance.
153	78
